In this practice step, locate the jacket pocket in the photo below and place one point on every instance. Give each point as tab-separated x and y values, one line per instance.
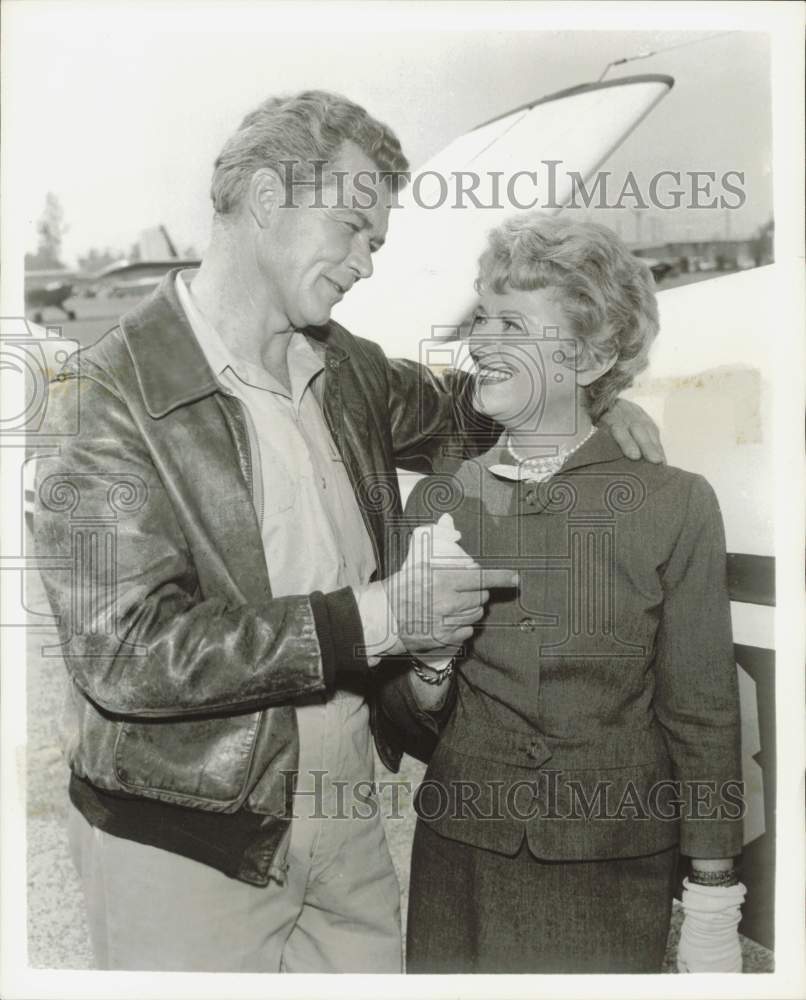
604	813
204	763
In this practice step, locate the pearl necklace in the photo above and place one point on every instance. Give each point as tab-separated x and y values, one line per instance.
539	469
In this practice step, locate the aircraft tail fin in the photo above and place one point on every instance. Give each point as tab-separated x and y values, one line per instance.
156	244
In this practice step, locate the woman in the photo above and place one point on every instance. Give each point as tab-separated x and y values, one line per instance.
589	733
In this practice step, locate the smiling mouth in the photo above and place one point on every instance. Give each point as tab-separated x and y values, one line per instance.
341	291
492	374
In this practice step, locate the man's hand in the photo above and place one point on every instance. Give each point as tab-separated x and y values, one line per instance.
440	592
635	432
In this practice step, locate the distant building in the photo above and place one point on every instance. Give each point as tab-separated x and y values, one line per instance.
715	254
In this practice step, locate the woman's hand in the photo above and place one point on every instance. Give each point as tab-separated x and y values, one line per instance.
635	432
431	697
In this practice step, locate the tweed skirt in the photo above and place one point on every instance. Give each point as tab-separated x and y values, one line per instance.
473	910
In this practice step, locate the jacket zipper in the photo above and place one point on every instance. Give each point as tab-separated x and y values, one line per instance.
258	501
348	464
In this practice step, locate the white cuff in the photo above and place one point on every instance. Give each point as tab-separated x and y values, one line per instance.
709	935
378	621
436	661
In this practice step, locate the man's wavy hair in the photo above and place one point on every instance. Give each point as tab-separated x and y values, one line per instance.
607	293
301	128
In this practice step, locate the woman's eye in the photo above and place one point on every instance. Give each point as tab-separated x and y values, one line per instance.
479	320
509	324
352	225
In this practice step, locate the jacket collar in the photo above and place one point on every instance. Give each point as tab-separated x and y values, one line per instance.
600	447
169	364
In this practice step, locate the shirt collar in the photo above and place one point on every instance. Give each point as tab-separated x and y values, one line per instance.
213	347
304	363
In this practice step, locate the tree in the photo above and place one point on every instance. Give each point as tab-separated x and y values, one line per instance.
50	230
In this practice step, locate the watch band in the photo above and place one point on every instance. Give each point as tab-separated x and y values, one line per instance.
431	675
727	878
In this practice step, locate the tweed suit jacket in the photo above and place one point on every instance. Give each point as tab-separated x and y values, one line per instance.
596	709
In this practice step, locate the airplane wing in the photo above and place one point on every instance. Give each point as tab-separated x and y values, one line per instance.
423	279
117	275
157	256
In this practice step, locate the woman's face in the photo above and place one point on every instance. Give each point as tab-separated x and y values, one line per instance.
524	352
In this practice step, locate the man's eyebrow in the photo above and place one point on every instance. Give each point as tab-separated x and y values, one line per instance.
366	223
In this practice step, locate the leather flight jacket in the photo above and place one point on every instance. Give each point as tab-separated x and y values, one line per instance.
183	668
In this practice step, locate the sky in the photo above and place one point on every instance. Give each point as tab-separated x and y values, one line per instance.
120	109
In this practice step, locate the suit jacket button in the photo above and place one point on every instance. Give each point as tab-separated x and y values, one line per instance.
534	751
530	496
528	625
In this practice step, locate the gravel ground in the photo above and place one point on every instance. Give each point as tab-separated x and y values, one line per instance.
57	926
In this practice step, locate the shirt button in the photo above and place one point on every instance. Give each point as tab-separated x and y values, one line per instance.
528	625
333	364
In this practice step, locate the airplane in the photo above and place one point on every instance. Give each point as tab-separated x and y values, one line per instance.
708	385
50	289
433	248
158	255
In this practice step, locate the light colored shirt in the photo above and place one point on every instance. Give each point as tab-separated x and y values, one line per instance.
314	535
314	538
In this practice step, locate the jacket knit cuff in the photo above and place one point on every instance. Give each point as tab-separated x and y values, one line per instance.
340	634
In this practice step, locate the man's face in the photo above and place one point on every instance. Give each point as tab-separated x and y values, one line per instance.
312	255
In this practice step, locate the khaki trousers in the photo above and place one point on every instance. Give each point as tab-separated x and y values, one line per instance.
338	911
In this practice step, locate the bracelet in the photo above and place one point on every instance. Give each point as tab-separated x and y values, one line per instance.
721	879
436	676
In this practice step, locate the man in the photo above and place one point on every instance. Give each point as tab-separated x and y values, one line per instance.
230	574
